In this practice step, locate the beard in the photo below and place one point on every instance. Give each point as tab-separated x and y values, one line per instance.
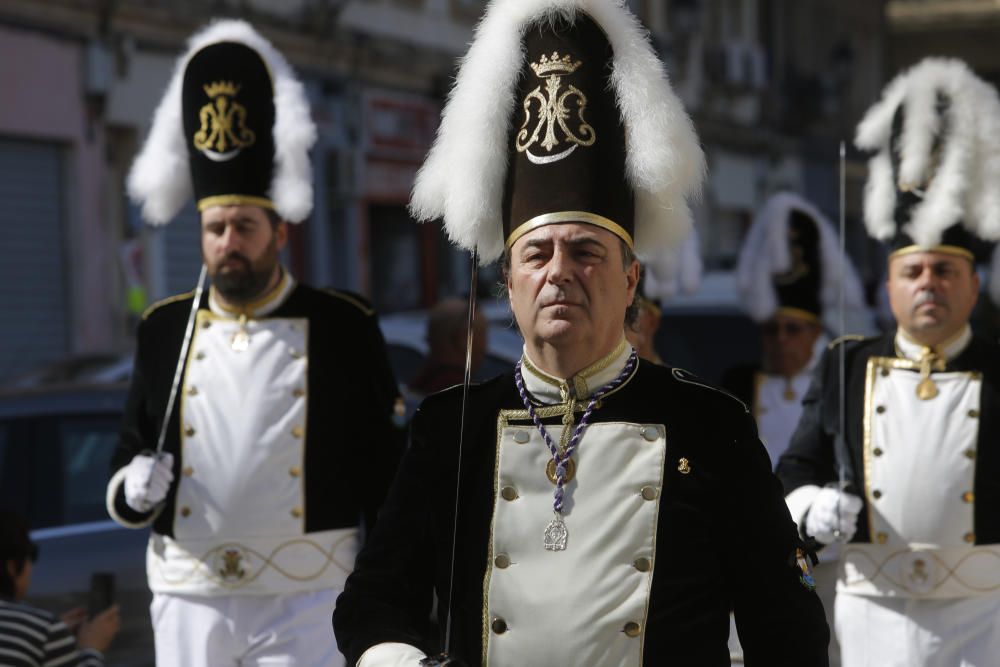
243	281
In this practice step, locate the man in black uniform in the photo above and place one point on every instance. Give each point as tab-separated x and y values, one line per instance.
280	440
918	583
599	496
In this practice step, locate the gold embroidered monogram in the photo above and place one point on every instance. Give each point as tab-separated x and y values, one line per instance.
223	132
554	114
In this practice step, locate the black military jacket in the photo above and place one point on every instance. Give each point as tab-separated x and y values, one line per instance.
814	455
352	446
725	538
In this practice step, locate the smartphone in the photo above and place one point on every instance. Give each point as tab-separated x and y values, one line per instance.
102	592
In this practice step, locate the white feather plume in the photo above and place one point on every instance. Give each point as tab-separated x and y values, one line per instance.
963	184
160	178
674	271
463	177
765	253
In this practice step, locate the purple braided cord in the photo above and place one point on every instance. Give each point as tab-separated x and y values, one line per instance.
561	460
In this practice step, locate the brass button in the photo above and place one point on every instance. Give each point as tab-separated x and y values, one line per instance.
632	629
968	497
185	511
969	537
295	471
880	409
650	433
206	324
876	494
298	431
885	372
499	626
502	561
189	430
199	356
877	451
881	538
295	354
296	512
973	413
521	437
508	493
192	391
188	471
642	564
970	453
298	392
648	493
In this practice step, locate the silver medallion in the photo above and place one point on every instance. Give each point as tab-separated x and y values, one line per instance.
556	535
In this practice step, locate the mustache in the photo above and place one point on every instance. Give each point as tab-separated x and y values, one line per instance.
242	259
927	297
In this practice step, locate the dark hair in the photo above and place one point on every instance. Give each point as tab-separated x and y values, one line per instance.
273	217
628	256
15	545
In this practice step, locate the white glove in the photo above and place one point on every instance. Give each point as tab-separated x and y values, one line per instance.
147	480
822	519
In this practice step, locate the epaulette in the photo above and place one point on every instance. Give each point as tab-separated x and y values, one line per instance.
163	302
355	301
690	378
843	339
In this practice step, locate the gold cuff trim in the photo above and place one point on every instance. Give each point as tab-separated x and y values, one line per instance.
570	216
799	313
943	249
234	200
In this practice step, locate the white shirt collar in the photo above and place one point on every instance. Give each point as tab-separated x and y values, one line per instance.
550	390
911	349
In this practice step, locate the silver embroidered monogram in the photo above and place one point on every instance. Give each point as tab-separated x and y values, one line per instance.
552	124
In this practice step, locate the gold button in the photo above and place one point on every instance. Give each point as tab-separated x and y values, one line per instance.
876	494
968	497
192	391
885	372
881	538
632	629
877	451
188	471
969	537
298	392
502	561
521	437
295	471
973	413
650	433
970	453
206	324
295	354
976	375
189	430
648	493
298	431
641	564
499	626
880	409
296	512
508	493
199	356
185	511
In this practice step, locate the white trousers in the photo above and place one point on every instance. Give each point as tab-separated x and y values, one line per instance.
902	632
251	630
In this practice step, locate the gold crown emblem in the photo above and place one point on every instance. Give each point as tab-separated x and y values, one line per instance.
221	88
555	65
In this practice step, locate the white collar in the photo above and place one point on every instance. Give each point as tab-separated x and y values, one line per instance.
549	389
911	349
263	306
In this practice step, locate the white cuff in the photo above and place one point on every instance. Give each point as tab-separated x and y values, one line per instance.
799	501
391	654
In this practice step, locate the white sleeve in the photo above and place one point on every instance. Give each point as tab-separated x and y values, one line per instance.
391	654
